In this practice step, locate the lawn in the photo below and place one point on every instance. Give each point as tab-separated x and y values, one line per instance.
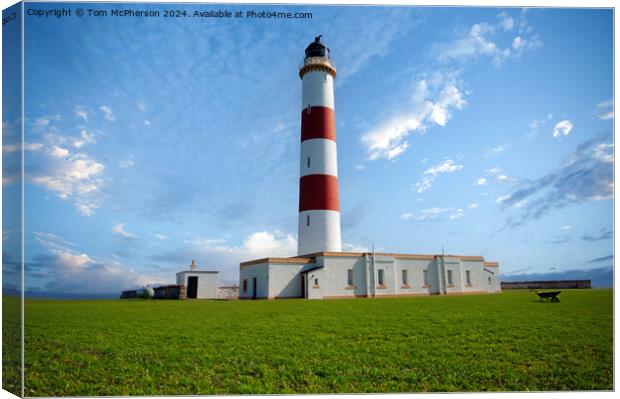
504	342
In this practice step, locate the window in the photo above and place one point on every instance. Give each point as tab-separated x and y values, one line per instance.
245	285
380	279
316	282
308	161
425	277
350	277
450	277
307	220
468	277
489	279
404	277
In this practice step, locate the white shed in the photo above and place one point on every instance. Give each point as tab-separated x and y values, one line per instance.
199	284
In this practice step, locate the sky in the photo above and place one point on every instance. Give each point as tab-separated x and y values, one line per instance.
150	142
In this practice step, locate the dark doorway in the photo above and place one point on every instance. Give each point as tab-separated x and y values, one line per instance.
192	286
303	285
254	288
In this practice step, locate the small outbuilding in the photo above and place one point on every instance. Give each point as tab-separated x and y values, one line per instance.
199	284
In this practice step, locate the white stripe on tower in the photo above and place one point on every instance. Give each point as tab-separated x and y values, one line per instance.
319	210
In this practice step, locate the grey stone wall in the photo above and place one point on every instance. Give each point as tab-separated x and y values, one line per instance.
507	285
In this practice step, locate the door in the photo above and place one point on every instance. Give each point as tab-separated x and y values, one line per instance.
303	285
490	283
254	288
192	286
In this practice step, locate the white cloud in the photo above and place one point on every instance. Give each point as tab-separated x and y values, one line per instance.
501	199
562	128
407	216
85	138
605	110
346	247
480	41
432	103
566	227
77	176
457	215
497	150
499	176
81	113
427	215
257	245
603	152
429	175
473	205
481	181
59	152
8	148
147	122
506	22
127	163
517	42
119	229
159	236
108	114
475	44
69	271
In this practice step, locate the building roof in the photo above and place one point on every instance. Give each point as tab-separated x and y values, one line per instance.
310	258
197	271
295	259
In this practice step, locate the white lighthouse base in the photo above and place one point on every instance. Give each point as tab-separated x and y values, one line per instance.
319	231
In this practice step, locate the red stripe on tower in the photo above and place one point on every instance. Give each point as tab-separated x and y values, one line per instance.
318	192
318	123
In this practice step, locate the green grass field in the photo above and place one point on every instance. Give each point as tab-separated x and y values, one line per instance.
506	342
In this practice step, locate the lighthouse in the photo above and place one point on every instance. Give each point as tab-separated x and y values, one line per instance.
319	210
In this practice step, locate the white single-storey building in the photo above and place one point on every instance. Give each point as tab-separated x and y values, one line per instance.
199	284
324	275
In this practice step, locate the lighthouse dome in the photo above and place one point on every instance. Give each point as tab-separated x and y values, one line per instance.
317	48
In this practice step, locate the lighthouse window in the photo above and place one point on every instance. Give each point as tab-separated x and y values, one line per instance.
308	161
404	277
350	277
468	277
380	279
307	220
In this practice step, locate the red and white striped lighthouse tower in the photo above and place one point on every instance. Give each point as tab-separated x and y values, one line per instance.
319	211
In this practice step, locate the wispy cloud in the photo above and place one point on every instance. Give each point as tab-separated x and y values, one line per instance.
432	102
77	176
107	112
586	175
436	95
497	150
81	112
119	229
433	214
481	181
459	213
605	110
603	234
562	128
602	259
429	175
481	40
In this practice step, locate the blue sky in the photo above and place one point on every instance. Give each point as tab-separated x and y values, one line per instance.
152	142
